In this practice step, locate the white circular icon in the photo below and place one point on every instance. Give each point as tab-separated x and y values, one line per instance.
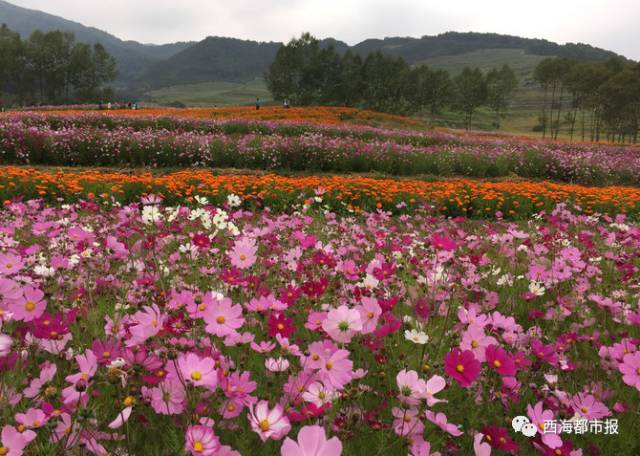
518	422
529	430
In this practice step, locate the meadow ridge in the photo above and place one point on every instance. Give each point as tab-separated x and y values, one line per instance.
232	282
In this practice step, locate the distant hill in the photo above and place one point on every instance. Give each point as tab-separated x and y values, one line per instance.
454	43
132	57
144	67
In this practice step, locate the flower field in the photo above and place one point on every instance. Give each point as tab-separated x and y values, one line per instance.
201	312
99	140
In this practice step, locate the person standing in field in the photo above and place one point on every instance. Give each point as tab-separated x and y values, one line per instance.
285	103
258	103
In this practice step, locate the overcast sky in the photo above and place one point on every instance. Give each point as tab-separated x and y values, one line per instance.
610	24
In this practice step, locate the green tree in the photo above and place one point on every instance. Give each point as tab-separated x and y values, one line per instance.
471	92
501	85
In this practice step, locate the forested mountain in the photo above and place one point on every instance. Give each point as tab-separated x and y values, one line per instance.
143	66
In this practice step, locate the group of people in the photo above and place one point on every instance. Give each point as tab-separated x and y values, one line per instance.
129	105
285	103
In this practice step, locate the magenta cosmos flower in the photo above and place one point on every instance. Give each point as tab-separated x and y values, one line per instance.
500	361
201	441
223	318
462	366
630	369
243	253
30	306
269	424
198	371
342	324
312	441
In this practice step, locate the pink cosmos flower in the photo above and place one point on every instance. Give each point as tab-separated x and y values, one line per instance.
407	422
5	345
47	372
263	347
538	416
30	306
198	371
462	366
201	441
32	419
243	253
146	323
223	318
318	394
630	369
370	312
440	420
13	442
337	370
499	360
434	385
168	398
10	264
122	418
342	324
412	389
269	424
312	441
88	364
477	341
480	448
589	407
279	364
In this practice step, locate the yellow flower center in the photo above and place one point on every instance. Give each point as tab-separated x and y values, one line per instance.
488	437
329	365
106	354
243	257
558	451
36	423
474	344
220	320
370	315
4	451
497	363
316	357
231	407
280	326
9	265
197	446
264	425
196	375
322	395
29	306
128	401
202	307
460	368
584	409
21	428
406	418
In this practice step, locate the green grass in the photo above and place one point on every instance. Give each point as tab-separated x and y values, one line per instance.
214	93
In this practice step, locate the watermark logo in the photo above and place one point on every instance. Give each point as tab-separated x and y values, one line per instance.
576	425
522	424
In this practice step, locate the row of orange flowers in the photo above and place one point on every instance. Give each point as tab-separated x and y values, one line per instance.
456	196
310	114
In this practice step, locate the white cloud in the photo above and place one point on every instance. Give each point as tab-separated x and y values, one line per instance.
611	24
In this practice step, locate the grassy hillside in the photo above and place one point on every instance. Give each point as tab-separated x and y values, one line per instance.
213	93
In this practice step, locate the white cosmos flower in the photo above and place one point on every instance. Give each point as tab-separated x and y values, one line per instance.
276	364
151	214
415	336
233	200
536	288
